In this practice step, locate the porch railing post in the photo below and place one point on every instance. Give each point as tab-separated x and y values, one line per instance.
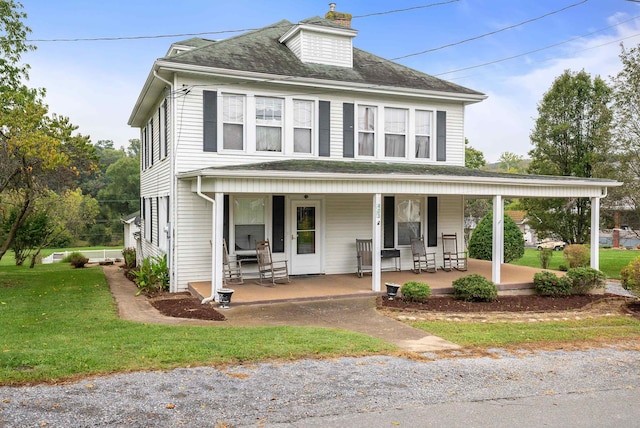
595	233
497	249
376	277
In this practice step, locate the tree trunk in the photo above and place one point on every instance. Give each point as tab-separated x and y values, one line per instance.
14	228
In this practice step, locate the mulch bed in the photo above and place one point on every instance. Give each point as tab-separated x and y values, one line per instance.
180	305
502	304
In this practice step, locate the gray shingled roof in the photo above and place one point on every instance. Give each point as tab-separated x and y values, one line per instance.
358	167
260	51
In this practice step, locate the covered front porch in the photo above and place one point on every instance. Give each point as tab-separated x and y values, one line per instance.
515	279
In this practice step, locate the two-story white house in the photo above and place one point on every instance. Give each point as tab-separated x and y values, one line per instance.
290	133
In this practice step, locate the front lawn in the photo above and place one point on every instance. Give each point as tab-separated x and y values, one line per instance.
515	334
60	323
611	261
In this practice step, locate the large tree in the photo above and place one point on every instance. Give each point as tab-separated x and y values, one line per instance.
38	150
626	135
571	137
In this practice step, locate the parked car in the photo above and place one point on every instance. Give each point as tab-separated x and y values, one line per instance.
551	243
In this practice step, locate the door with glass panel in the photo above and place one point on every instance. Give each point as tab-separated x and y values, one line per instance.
306	238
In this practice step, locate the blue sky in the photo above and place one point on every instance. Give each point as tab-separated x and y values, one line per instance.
95	83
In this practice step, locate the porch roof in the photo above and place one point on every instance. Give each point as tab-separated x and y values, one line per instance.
412	177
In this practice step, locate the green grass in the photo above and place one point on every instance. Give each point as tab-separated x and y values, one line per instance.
61	323
611	261
539	333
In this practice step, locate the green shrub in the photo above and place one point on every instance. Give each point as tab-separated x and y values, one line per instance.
474	288
480	246
585	279
129	255
576	255
549	284
415	291
630	276
545	256
76	259
152	275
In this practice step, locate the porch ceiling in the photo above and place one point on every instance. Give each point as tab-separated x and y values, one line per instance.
320	176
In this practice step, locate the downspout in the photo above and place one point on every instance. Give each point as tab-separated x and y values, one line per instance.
172	193
213	240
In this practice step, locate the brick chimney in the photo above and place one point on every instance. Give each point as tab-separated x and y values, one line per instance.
338	17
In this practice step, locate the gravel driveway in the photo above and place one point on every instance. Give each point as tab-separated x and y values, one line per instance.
290	393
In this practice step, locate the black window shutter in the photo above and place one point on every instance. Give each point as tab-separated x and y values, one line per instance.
151	142
157	220
210	121
347	130
389	222
441	136
144	148
278	224
225	220
324	131
150	200
165	129
432	221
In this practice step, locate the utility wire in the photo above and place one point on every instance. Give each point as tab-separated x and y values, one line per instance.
491	33
548	47
206	33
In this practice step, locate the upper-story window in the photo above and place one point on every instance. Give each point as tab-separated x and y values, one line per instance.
268	124
233	122
395	132
423	134
366	130
303	119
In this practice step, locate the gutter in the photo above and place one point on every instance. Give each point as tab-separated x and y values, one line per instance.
213	240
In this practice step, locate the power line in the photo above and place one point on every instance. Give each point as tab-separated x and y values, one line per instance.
547	47
207	33
510	27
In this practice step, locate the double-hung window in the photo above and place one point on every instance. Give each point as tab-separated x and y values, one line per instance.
233	122
395	132
249	222
408	216
302	126
423	134
269	124
366	130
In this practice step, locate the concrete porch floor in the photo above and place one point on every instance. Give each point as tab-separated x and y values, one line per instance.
515	279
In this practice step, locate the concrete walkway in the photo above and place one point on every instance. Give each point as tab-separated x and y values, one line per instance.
356	314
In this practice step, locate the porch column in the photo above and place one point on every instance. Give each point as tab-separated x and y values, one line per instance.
376	247
217	224
497	244
595	233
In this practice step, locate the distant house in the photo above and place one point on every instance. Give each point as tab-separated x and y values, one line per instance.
290	133
131	229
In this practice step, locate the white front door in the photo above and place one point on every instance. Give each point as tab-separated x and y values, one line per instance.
306	248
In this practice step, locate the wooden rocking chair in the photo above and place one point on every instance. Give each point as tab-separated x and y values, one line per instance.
451	257
232	267
364	257
422	261
270	271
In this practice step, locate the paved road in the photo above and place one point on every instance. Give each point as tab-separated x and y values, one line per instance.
569	389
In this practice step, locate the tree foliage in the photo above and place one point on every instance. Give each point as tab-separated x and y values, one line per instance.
511	163
38	150
480	244
473	158
626	136
571	138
